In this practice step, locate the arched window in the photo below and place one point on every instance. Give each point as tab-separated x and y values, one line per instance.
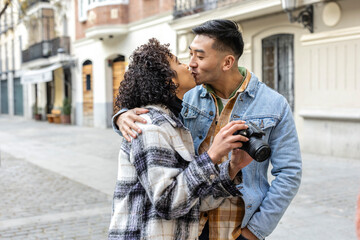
87	76
278	64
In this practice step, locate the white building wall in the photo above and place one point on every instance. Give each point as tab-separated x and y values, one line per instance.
326	77
326	72
108	49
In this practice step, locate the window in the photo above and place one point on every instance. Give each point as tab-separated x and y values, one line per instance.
88	82
82	8
278	64
4	97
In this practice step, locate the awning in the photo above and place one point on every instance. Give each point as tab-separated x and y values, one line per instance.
39	75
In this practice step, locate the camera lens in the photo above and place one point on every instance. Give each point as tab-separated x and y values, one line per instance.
258	149
262	153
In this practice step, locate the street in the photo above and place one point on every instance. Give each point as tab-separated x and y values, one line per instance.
56	182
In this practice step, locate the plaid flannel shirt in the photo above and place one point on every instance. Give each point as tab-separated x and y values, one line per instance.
161	188
224	221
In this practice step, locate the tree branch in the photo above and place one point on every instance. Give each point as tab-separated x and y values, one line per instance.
7	3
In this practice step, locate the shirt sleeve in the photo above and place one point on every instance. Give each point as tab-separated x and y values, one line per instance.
114	118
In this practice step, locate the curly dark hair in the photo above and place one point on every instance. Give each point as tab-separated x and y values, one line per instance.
148	79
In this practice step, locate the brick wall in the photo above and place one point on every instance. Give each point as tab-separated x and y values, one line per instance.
140	9
135	11
104	15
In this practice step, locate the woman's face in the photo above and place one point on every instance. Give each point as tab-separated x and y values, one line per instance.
184	79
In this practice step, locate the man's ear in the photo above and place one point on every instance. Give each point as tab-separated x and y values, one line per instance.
228	63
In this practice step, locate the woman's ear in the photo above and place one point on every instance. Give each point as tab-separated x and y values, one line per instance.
228	62
176	81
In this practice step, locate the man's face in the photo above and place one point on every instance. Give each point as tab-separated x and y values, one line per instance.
205	62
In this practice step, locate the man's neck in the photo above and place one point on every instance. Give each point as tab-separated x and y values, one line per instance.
228	84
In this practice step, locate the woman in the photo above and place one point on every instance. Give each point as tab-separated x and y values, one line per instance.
160	183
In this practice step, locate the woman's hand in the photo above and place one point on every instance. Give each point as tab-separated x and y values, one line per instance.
239	160
225	141
126	122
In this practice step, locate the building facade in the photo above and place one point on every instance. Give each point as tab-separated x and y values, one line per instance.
46	61
309	53
11	90
107	32
36	64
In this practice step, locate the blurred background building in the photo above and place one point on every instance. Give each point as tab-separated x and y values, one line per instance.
307	50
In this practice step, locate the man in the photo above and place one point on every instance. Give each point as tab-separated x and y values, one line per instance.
227	93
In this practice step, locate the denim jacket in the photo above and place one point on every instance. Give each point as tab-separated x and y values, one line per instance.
265	204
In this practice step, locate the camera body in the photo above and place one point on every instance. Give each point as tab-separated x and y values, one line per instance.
256	147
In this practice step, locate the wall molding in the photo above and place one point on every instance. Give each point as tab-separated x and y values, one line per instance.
331	114
331	36
242	11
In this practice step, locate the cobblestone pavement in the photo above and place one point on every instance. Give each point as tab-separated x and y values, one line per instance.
56	182
325	206
39	204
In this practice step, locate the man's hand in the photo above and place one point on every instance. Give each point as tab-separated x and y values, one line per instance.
239	160
126	122
225	141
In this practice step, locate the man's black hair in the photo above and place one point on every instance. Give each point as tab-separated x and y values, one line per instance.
225	33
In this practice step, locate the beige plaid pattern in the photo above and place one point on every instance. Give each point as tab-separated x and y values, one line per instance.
224	221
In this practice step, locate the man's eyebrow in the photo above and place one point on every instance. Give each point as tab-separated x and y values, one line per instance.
197	50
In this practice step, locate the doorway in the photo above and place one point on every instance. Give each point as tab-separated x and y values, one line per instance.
18	97
4	97
118	70
88	104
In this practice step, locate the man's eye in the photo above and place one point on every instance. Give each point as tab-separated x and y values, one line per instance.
201	57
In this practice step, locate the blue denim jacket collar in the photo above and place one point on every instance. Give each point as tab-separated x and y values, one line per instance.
252	86
204	92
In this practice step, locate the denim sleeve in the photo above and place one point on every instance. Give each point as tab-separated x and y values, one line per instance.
113	121
287	169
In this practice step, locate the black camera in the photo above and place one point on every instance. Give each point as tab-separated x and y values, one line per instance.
256	147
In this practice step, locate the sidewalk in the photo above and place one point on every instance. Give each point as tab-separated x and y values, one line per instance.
324	208
86	155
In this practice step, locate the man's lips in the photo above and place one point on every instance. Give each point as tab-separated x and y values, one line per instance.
194	74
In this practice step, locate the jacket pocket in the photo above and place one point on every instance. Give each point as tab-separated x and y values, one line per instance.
265	123
188	113
190	118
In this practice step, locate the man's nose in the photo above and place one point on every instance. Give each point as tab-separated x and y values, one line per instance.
192	63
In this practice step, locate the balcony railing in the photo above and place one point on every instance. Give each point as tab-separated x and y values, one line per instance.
46	49
31	3
188	7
